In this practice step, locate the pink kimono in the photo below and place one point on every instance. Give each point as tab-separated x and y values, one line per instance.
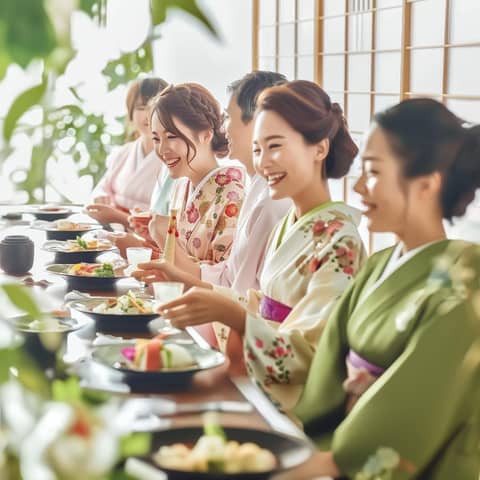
209	213
130	178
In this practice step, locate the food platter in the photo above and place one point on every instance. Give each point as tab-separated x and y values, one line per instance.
150	381
100	281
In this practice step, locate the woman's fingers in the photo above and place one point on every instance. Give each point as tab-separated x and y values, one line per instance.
184	317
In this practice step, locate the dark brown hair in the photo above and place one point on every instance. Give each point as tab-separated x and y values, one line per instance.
309	111
196	108
144	89
427	137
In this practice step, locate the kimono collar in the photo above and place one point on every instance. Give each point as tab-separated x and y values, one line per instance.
193	193
379	290
291	223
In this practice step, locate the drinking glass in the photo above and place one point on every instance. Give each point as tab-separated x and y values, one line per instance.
136	255
165	292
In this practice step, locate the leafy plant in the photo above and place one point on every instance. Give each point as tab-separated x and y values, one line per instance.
40	29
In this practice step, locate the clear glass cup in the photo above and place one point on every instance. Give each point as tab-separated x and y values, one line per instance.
165	292
136	255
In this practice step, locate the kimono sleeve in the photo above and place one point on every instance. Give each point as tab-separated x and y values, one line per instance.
278	356
244	265
230	204
114	162
423	399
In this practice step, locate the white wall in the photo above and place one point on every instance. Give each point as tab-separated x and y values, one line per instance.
187	52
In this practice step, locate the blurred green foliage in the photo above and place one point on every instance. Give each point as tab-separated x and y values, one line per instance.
40	30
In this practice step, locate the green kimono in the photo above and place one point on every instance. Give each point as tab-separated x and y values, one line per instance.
419	326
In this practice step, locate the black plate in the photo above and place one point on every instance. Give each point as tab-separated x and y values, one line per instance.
113	322
77	282
44	344
289	451
162	380
53	233
50	215
64	256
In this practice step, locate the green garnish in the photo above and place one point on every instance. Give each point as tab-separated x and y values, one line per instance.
82	243
105	270
168	358
212	427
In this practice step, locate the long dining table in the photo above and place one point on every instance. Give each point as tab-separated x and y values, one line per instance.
214	385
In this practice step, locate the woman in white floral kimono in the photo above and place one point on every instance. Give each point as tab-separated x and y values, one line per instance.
188	138
300	141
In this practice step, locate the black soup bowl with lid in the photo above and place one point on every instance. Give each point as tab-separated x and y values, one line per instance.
16	254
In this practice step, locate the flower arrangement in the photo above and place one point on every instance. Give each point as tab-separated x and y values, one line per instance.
52	429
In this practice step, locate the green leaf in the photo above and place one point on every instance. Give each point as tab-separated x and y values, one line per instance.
36	174
126	68
21	298
159	12
26	31
135	444
66	390
21	104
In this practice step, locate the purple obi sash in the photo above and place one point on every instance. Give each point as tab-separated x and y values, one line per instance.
273	310
358	362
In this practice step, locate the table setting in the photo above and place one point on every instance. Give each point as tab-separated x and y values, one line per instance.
97	334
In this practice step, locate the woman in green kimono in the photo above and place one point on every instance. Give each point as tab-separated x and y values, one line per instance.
398	365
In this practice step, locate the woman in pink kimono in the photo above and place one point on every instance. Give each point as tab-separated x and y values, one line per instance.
134	170
188	138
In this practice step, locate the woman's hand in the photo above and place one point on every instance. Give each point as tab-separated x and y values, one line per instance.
123	241
139	224
102	199
158	229
106	214
161	271
199	306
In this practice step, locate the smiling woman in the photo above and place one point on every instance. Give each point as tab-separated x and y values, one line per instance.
300	140
188	137
134	171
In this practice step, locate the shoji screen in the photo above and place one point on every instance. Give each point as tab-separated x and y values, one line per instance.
369	54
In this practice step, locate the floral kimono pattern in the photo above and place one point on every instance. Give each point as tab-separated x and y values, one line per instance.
308	265
417	333
209	213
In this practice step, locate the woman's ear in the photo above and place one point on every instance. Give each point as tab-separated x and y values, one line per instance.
321	149
430	184
206	136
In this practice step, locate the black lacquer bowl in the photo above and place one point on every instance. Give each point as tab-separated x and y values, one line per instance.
78	282
113	322
161	380
289	451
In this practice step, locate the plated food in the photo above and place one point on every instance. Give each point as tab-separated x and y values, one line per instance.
78	250
214	452
50	212
128	304
55	321
88	276
242	454
104	270
126	313
155	354
151	367
64	229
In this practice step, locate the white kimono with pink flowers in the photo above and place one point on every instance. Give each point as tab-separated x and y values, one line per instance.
209	213
309	264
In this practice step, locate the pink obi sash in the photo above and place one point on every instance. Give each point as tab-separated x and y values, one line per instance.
358	362
273	310
361	374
